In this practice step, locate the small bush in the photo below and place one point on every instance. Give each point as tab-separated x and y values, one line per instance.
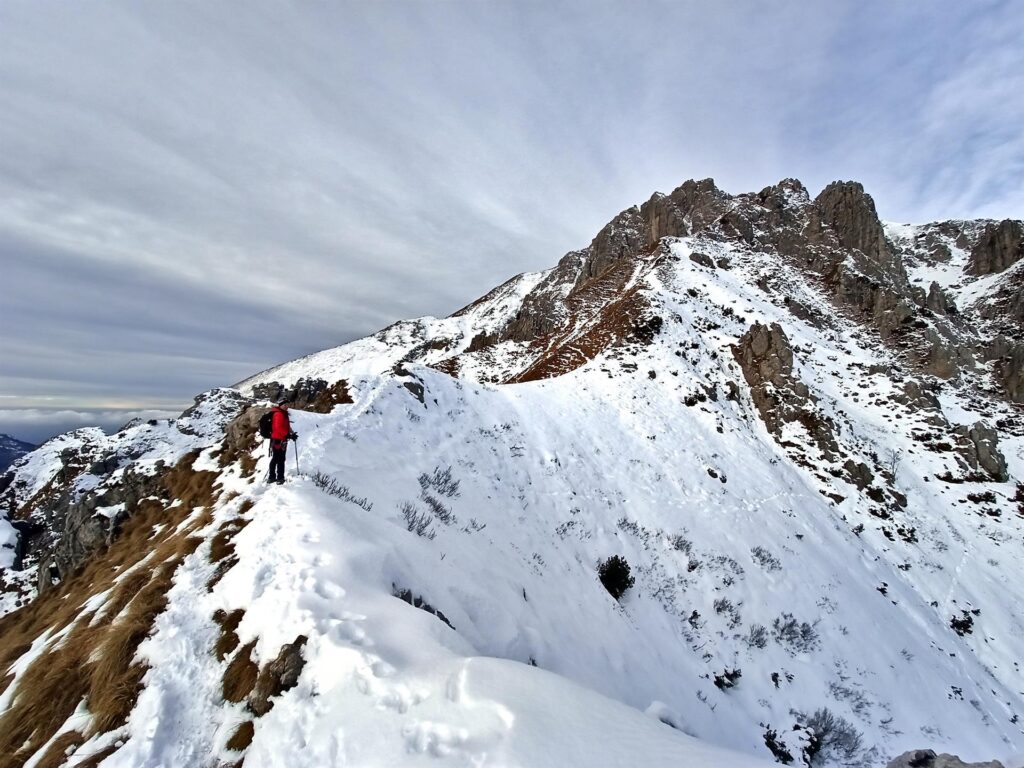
757	637
777	747
418	602
332	487
765	559
416	521
441	512
799	637
725	607
441	481
614	574
727	679
833	739
680	543
962	625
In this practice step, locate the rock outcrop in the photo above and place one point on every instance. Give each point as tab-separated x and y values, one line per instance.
845	209
978	446
926	758
1000	247
766	359
315	395
837	237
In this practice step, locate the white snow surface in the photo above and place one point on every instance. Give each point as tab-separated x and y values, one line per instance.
730	542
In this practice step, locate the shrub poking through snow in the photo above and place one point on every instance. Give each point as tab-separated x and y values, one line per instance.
963	624
416	521
777	747
418	602
332	487
798	637
441	481
832	739
441	512
727	679
614	574
757	636
725	607
765	559
680	543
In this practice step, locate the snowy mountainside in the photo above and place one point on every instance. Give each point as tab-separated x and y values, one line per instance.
816	476
11	449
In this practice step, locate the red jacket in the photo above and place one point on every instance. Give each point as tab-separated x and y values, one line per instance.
280	427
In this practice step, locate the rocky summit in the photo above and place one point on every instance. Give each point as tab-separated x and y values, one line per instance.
741	481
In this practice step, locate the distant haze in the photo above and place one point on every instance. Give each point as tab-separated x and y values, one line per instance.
191	192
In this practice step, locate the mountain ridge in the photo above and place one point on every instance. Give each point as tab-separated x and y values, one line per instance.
812	461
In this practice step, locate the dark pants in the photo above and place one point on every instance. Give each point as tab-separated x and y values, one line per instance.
278	449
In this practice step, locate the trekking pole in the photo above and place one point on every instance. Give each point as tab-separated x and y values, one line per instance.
296	457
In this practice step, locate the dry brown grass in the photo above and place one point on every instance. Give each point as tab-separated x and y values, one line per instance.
223	545
567	351
222	568
228	640
48	693
56	754
96	663
6	681
242	737
241	675
125	590
248	464
115	680
99	757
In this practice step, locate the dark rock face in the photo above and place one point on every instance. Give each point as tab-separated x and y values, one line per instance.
622	238
1010	369
859	473
926	758
1001	246
979	447
315	395
92	522
849	212
766	358
692	207
938	302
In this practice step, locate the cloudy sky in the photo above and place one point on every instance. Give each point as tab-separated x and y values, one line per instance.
193	191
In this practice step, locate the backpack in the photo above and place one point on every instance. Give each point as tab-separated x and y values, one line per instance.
266	424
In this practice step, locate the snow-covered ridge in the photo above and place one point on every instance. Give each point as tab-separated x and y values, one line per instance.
430	339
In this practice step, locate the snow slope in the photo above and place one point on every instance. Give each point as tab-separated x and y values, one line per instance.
607	460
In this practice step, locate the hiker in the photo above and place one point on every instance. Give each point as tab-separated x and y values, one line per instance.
280	434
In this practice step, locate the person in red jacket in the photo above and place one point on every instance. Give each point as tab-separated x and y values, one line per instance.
280	433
